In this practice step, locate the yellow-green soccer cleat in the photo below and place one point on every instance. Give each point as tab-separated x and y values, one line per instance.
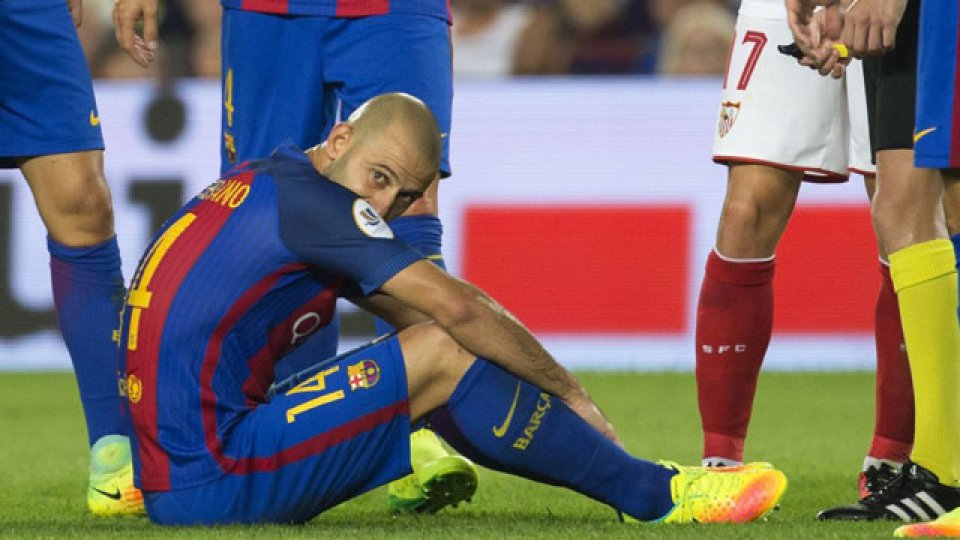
439	479
111	491
945	526
749	466
724	495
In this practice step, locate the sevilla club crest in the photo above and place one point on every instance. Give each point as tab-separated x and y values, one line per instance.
729	111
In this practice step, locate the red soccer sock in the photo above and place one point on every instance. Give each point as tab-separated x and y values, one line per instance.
893	429
734	324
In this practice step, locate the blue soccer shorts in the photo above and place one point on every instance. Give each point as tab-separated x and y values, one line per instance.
46	94
325	436
936	136
295	76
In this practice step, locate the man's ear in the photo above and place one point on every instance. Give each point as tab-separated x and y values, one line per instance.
338	141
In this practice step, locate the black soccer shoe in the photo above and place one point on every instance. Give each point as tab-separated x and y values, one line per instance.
875	477
915	494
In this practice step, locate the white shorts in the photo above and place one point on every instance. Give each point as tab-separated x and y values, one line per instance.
778	113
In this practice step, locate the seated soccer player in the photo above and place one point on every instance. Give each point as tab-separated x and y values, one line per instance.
237	276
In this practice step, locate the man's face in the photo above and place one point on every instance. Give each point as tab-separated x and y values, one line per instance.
385	170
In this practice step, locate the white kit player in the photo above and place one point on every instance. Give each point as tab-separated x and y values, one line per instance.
780	124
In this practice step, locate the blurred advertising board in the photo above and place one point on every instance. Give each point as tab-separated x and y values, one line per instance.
586	206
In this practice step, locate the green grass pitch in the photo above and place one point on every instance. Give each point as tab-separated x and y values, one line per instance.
814	426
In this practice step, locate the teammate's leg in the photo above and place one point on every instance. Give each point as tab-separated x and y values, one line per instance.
59	150
74	202
272	95
735	309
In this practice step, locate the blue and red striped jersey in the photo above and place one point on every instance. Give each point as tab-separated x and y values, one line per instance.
237	278
344	8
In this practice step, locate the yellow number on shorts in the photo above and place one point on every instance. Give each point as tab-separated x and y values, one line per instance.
317	383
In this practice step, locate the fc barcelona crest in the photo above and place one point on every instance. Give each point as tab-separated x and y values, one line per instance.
365	374
729	111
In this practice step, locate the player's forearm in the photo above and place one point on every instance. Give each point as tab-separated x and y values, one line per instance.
487	329
397	314
493	333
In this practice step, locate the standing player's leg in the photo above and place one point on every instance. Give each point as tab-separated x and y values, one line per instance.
411	54
272	95
341	429
922	259
735	308
947	525
951	206
893	422
59	150
909	220
908	211
74	202
770	114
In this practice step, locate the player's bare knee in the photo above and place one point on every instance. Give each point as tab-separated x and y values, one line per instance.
887	214
84	200
434	352
748	230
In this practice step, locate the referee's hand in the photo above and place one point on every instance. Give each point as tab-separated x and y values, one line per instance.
126	15
799	17
870	26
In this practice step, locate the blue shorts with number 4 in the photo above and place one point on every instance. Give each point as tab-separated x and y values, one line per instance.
291	76
46	94
326	435
936	137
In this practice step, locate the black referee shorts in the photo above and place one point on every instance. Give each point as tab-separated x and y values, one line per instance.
891	87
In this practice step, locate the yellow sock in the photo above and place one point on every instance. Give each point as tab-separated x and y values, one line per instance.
925	278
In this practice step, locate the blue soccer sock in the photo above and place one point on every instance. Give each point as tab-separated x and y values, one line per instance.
88	295
422	232
509	425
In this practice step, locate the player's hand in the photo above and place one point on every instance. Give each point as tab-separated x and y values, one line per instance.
870	26
581	404
799	16
76	11
126	15
822	52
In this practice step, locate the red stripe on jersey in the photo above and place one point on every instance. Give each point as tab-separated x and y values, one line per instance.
266	6
362	8
143	362
313	315
211	357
